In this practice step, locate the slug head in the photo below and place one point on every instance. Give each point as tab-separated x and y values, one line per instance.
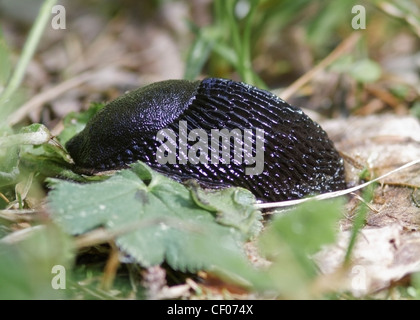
127	119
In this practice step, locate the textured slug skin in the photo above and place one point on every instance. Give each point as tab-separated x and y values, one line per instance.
299	158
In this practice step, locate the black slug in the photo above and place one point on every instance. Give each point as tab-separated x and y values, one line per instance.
220	132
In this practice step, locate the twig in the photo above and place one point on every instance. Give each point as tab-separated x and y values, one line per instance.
47	95
402	13
334	194
364	202
343	47
20	235
111	268
102	235
97	293
19	215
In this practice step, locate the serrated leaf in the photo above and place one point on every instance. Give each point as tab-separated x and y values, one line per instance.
232	207
162	221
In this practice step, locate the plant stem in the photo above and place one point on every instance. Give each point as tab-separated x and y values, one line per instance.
27	52
235	33
359	221
248	74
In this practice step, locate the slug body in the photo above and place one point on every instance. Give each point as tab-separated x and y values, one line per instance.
299	159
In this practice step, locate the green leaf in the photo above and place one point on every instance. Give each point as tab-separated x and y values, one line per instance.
323	26
363	71
415	282
26	267
34	148
360	219
200	51
9	166
415	109
291	239
156	220
34	134
366	71
343	64
9	160
5	62
232	207
37	134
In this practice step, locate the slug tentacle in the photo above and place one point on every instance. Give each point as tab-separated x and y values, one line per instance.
298	157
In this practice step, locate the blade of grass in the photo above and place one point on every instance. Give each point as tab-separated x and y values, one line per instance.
359	220
241	40
27	53
236	35
38	100
248	74
200	51
5	62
